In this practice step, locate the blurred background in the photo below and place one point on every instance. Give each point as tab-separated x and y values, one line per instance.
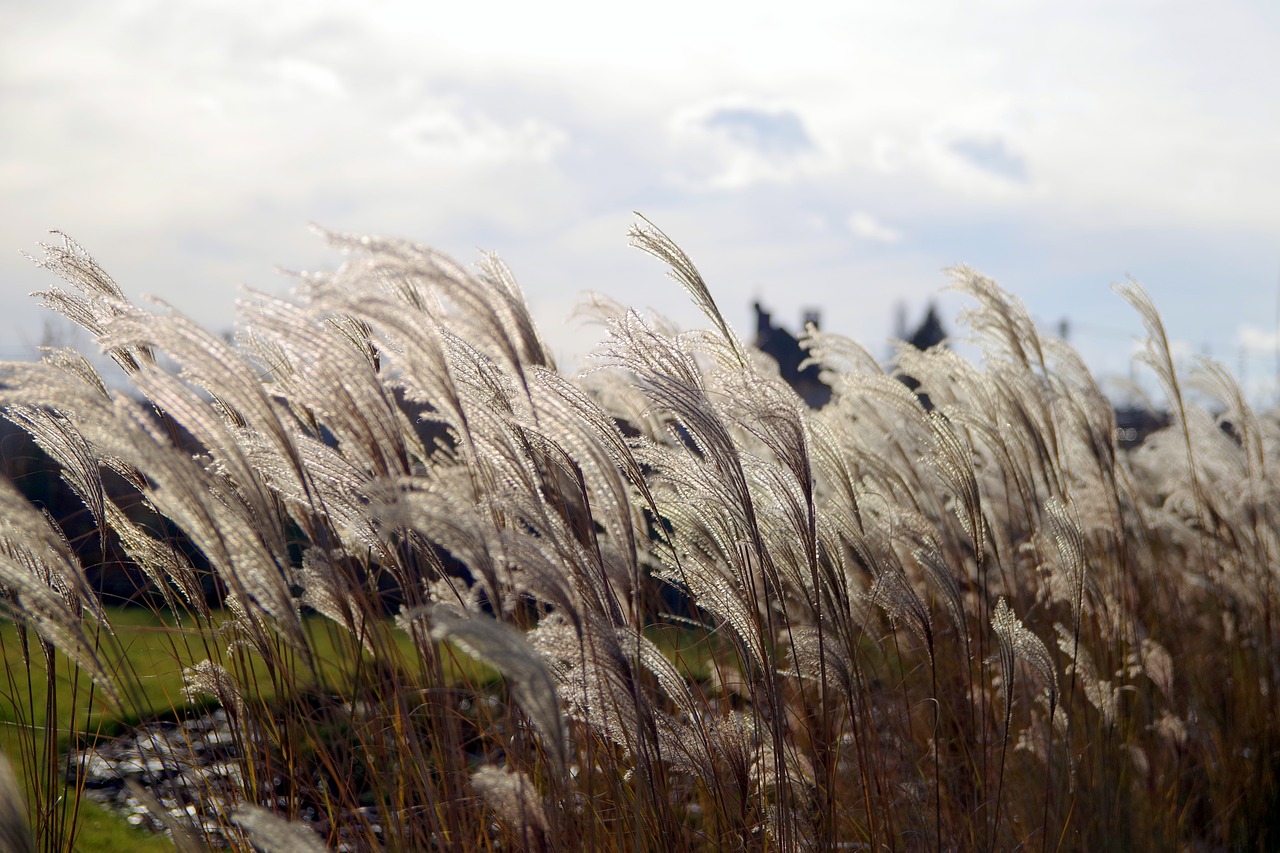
829	157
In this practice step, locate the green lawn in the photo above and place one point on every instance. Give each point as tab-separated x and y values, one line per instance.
146	656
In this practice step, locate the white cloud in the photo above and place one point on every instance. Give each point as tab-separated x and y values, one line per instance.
867	227
444	131
307	77
736	143
975	148
1257	340
887	154
1068	144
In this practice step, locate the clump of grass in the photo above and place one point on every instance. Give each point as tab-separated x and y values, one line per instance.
714	617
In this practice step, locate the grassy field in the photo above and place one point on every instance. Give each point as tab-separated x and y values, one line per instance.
146	654
151	655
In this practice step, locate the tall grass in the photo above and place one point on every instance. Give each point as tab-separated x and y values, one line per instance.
974	626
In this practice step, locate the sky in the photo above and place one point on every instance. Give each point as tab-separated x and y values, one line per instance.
838	156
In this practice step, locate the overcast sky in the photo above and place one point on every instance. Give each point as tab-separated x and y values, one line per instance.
834	155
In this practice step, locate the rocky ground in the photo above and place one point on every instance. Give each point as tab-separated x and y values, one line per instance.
191	770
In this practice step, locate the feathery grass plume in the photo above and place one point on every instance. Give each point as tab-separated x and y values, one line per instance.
325	367
607	464
207	678
775	415
952	462
672	680
232	527
462	386
42	585
1071	551
323	588
710	561
589	679
451	517
15	832
513	797
1037	738
975	401
818	654
101	301
336	501
162	562
1155	352
837	484
34	545
597	677
27	601
948	379
79	391
64	444
1171	729
1005	328
1214	379
1082	405
1157	664
712	469
271	833
788	532
1242	456
508	651
893	592
580	511
1021	380
240	531
930	557
1017	643
876	396
513	309
208	363
1157	355
1026	403
490	309
836	355
1248	513
1102	695
650	239
552	566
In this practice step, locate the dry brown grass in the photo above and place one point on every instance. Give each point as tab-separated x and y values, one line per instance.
980	627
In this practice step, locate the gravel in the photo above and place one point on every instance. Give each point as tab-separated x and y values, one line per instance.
192	770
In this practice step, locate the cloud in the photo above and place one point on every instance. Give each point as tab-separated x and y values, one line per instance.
774	133
978	148
307	77
992	156
734	145
445	132
1258	340
867	227
1072	152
